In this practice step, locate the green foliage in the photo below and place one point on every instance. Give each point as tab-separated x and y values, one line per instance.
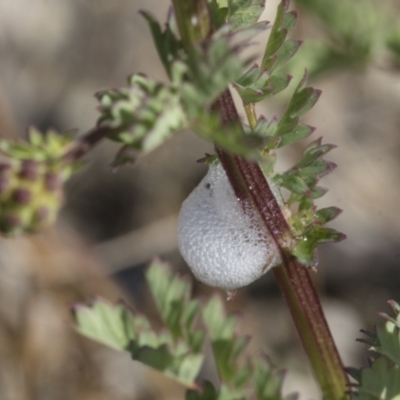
226	346
172	297
244	13
259	83
213	65
143	115
307	225
167	45
381	379
177	350
353	34
147	112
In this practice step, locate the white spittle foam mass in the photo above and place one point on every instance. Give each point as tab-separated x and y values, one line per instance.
223	245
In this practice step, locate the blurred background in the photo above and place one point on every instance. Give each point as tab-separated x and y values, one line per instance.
54	55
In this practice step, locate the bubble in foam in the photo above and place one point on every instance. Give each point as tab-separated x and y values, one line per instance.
223	241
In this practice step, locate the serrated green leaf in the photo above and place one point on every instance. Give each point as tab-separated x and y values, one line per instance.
389	344
105	323
175	352
380	382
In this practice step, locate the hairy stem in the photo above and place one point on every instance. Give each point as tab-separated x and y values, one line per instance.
249	182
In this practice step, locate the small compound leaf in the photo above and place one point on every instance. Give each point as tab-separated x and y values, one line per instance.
105	323
177	352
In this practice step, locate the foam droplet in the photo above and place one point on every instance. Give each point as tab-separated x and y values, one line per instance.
223	241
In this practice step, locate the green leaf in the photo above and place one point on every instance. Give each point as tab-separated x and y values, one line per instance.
230	137
176	352
226	345
295	183
305	248
380	382
290	20
143	115
167	45
256	85
172	297
244	13
268	380
298	133
278	51
286	52
213	65
314	151
219	14
105	323
327	214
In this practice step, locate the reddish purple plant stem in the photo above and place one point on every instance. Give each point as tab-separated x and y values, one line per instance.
248	181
